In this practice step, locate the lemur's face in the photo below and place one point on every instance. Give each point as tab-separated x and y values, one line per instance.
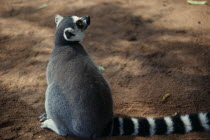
73	27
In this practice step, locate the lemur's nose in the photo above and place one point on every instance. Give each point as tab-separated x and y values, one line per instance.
87	19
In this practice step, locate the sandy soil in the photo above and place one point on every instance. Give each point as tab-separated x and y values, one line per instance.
149	48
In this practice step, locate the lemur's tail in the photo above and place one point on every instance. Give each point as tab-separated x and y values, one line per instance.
146	127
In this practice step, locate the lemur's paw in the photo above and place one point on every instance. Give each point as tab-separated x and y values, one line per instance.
44	124
51	125
43	117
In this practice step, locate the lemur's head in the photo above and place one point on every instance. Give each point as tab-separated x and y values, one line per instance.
72	28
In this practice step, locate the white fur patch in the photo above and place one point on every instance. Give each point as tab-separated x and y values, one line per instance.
187	124
204	120
169	123
121	126
136	126
70	30
75	18
152	126
58	19
51	125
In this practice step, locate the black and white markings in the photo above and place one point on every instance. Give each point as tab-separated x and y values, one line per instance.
205	120
121	126
136	126
65	33
169	123
187	123
160	126
152	126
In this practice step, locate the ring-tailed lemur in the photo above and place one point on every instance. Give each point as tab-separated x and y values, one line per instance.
78	98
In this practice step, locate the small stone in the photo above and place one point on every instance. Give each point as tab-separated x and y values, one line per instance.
132	38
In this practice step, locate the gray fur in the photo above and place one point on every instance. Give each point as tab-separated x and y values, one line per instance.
78	98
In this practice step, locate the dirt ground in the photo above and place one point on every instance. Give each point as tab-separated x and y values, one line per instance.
148	49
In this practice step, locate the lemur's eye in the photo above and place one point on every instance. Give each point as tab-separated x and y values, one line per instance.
79	24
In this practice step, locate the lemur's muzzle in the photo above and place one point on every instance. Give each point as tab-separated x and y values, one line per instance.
86	21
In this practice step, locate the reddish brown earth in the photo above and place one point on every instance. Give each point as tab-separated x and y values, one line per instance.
149	48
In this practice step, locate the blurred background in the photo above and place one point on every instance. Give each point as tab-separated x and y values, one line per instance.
155	55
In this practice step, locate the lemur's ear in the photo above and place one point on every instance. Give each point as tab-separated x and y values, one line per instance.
58	19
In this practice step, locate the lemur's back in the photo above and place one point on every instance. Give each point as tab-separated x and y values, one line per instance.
87	95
